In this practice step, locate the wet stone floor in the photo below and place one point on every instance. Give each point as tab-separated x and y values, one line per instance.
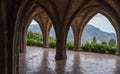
41	61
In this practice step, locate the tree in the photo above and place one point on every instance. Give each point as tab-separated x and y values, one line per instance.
112	42
94	40
103	42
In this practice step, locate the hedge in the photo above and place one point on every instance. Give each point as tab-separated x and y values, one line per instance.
70	45
33	42
99	48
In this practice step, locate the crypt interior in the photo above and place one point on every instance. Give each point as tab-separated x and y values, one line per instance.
16	15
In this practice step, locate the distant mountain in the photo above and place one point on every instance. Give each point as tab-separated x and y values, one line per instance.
91	31
87	35
34	28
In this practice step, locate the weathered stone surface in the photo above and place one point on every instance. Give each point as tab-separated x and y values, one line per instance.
16	15
41	61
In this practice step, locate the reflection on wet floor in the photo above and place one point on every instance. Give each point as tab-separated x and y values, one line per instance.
41	61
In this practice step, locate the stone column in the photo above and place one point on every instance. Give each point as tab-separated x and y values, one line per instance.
2	54
118	46
45	39
118	40
60	44
77	43
3	42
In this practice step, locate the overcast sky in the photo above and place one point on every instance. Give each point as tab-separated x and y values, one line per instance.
99	21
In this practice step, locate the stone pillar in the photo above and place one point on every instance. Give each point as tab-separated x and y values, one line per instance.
77	44
2	55
45	39
3	42
60	44
118	46
118	41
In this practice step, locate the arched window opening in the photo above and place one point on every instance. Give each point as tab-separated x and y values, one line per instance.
52	38
34	34
99	35
70	39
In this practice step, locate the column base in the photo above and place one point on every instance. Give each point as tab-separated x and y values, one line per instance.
60	57
77	50
118	54
45	46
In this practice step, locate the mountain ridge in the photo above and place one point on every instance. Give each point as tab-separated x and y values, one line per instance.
88	33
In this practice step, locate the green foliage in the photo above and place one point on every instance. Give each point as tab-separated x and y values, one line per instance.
111	49
70	45
39	43
34	35
34	39
99	48
105	43
94	40
86	47
112	42
34	42
52	38
30	41
52	43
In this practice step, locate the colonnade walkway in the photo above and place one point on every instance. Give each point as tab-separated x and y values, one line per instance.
42	61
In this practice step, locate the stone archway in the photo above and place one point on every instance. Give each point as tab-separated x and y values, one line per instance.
88	11
45	24
17	13
22	28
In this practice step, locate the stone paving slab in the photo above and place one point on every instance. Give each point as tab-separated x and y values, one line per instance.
41	61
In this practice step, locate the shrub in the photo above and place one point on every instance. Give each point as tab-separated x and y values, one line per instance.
39	43
70	45
31	42
34	35
52	43
111	49
104	43
86	47
99	48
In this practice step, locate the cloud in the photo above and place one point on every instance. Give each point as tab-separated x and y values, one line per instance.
101	22
33	22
